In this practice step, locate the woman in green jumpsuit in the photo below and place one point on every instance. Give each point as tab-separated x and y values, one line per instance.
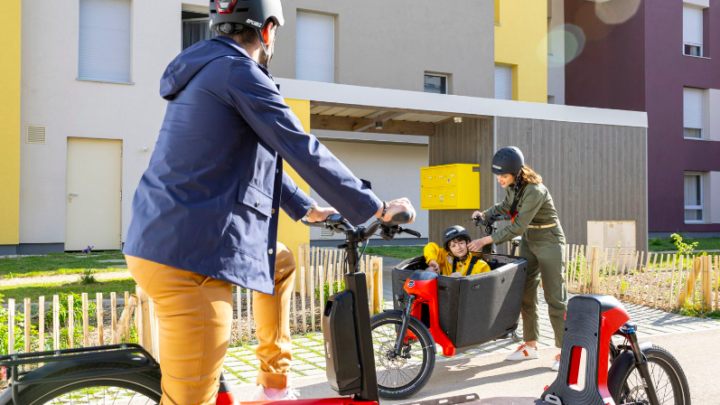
533	214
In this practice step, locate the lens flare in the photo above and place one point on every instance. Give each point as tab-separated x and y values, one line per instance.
615	12
564	44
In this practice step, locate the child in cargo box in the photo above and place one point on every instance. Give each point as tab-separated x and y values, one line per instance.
454	260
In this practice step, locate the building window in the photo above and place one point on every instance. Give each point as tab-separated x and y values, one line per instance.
195	28
503	82
692	30
104	46
437	84
694	197
315	47
693	113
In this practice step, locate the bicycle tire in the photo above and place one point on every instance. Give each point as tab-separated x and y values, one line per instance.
145	383
424	342
659	360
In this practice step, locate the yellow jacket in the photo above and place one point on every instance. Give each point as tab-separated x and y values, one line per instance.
445	259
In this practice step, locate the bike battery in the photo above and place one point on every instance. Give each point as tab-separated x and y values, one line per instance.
341	355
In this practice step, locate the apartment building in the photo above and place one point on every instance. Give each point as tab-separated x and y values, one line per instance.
663	57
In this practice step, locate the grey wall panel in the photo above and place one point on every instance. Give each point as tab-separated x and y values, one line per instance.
594	172
468	142
375	48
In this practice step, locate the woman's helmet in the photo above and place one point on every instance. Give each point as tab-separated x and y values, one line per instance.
508	161
453	232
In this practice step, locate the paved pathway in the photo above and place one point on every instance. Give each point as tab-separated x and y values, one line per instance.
241	365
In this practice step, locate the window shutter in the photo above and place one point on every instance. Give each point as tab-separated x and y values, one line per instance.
104	52
503	82
692	25
693	108
315	47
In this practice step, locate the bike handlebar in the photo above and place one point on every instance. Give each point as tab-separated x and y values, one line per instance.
338	224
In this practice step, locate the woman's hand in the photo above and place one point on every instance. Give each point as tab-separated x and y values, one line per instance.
433	266
477	244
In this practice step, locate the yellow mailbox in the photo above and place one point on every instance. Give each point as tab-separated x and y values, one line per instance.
450	187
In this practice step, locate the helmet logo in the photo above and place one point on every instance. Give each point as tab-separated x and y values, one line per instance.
497	167
225	6
253	23
411	283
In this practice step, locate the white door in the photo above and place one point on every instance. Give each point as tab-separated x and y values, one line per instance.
93	200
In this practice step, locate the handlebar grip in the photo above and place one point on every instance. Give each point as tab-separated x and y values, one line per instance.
313	224
413	233
400	218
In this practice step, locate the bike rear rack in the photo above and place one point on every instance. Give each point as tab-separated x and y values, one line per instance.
16	379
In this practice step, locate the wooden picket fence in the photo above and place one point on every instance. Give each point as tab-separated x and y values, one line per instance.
659	280
112	323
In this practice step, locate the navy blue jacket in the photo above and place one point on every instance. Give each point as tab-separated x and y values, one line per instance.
208	202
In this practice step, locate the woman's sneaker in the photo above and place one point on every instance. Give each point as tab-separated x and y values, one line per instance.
556	365
524	352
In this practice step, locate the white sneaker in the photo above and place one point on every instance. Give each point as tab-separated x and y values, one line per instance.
524	352
556	365
287	394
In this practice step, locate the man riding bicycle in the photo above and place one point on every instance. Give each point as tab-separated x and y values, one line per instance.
205	213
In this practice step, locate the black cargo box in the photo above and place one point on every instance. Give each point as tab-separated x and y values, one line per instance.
474	309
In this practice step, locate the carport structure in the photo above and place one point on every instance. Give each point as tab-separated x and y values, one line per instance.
594	161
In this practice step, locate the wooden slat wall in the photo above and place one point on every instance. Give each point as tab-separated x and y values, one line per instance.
594	172
468	142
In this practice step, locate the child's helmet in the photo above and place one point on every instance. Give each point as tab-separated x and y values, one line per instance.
453	232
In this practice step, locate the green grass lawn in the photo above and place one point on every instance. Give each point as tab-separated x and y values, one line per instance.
33	291
665	244
57	264
400	252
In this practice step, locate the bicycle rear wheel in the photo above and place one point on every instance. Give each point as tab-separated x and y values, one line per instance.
127	389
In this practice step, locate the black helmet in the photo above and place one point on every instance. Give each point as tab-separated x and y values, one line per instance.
508	161
244	13
454	232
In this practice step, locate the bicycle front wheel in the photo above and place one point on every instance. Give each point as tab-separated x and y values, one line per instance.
127	389
667	377
401	376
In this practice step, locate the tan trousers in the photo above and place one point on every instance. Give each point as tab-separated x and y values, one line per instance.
194	320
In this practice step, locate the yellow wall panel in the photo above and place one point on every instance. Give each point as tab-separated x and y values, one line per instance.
521	41
10	124
293	233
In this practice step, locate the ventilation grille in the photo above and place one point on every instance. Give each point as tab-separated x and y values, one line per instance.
36	134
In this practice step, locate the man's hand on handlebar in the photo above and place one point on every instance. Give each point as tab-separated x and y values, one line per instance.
478	214
321	213
395	207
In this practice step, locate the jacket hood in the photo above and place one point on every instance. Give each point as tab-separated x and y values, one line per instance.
192	60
